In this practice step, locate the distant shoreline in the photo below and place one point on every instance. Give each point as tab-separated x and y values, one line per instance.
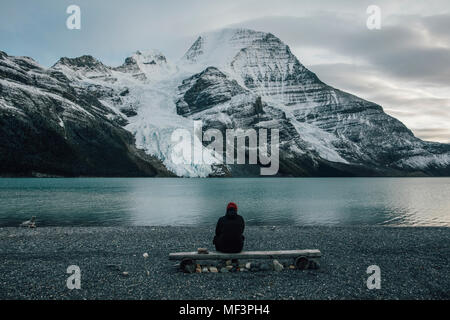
414	263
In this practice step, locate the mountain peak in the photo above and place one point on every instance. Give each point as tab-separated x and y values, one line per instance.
221	45
3	54
143	63
226	49
149	57
85	61
85	65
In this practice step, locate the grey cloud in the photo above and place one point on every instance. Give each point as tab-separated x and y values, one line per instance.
434	135
439	25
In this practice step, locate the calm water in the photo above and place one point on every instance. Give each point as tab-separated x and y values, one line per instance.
270	201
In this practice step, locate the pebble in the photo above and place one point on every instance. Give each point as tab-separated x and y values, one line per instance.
255	266
190	268
113	267
145	255
213	269
265	267
277	266
205	269
224	270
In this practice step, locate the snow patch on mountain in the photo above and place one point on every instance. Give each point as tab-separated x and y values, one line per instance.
317	140
423	162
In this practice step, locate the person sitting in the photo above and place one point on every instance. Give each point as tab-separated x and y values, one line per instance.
229	236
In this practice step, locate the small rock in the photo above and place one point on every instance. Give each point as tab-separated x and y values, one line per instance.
213	269
113	267
292	267
198	270
265	267
202	251
145	255
29	223
223	270
255	266
229	267
277	266
228	263
189	268
125	274
205	269
248	265
243	270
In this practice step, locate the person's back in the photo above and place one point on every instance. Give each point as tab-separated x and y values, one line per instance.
229	231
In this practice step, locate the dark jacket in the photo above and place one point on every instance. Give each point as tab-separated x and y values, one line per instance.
229	233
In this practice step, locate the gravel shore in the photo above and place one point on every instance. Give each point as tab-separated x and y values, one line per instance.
414	262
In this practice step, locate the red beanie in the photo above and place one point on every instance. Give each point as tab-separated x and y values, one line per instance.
232	205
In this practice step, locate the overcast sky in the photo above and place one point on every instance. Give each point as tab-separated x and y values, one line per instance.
405	66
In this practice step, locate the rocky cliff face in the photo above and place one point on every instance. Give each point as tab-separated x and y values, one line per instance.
50	127
81	117
323	130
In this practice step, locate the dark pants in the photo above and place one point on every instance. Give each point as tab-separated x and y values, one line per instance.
234	246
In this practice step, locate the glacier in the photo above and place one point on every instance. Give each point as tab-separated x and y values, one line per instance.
323	130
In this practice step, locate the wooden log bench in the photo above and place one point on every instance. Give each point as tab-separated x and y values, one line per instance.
302	258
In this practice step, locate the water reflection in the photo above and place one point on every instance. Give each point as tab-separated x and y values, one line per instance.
262	201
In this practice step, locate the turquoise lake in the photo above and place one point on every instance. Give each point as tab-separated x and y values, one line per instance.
261	201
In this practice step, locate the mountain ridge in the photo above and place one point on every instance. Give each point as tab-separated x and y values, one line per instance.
323	131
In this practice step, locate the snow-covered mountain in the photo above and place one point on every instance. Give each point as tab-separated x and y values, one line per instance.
52	122
229	79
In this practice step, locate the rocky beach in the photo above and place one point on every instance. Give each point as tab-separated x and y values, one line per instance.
132	263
